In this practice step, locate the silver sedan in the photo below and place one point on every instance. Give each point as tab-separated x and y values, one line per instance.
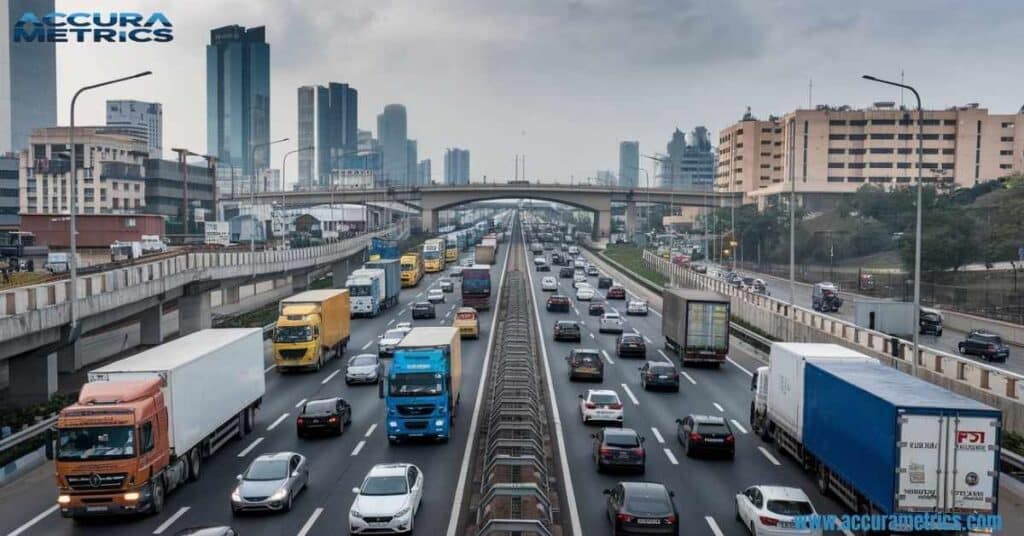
271	482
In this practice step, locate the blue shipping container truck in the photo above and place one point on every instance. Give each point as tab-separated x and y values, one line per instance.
392	279
383	249
905	445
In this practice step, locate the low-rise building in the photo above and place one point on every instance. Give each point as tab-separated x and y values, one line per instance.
94	230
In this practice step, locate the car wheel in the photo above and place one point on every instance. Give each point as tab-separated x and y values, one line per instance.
752	529
288	505
960	348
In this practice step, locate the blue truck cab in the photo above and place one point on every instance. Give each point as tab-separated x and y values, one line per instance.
421	389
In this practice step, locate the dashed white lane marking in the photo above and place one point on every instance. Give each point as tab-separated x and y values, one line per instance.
630	394
636	331
392	321
769	456
714	526
170	521
359	447
420	295
31	522
402	312
657	435
591	335
688	378
309	522
278	421
739	366
607	358
300	403
245	452
671	457
738	426
367	345
648	340
330	377
662	354
374	427
719	407
270	368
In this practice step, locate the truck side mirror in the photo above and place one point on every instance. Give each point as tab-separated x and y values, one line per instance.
380	387
51	443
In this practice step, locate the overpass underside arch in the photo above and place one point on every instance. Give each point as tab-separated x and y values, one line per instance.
599	205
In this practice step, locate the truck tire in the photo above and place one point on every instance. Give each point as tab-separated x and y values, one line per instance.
195	460
157	504
248	418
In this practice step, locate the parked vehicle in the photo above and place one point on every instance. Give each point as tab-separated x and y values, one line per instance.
467	322
558	303
619	448
630	345
567	330
422	389
387	500
387	343
476	287
771	509
585	364
924	436
641	508
392	280
363	368
636	307
271	483
323	415
601	405
421	310
707	434
610	322
659	374
178	403
825	298
312	327
984	344
367	291
616	292
696	325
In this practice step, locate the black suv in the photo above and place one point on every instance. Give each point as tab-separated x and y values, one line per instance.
706	433
585	365
558	303
566	272
988	346
642	508
604	282
423	310
328	415
567	330
659	374
930	322
630	345
619	448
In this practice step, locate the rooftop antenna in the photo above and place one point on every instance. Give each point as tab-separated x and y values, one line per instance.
901	89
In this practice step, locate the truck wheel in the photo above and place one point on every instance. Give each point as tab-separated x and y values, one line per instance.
157	505
247	420
194	461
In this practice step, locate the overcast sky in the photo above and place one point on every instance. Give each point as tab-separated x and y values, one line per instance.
563	82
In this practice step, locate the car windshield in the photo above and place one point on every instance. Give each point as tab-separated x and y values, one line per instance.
267	470
384	485
631	339
423	305
713	428
611	316
930	317
989	338
790	508
566	325
661	368
320	407
293	334
604	398
97	443
394	334
416	384
362	361
619	439
645	505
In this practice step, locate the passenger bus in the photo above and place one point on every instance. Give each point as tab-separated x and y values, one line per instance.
433	255
451	248
412	269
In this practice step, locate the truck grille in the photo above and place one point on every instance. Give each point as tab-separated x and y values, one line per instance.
293	354
96	481
416	425
415	410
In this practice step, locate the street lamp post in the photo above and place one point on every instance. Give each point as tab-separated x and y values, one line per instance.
252	195
73	203
917	231
284	164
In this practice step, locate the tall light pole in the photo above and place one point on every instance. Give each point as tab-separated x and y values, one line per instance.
917	231
284	164
73	203
252	194
647	181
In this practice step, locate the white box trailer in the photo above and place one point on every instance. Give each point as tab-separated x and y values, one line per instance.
210	377
891	317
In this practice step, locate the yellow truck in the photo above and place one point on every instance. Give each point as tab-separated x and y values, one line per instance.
433	255
312	327
412	269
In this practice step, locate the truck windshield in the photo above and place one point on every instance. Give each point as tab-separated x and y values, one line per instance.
431	255
360	290
98	443
293	334
416	384
408	267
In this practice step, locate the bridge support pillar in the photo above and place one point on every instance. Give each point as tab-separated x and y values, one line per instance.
230	295
430	221
193	313
33	378
69	357
300	282
631	217
151	326
341	269
602	224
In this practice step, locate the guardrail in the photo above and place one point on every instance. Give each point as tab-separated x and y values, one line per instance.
27	434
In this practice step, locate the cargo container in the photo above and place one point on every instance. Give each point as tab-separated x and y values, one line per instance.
392	280
891	317
382	249
366	291
484	254
476	287
217	233
696	325
312	327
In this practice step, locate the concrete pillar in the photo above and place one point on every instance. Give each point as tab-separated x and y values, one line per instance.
430	221
341	269
603	224
33	378
230	295
193	313
69	357
151	326
631	217
300	282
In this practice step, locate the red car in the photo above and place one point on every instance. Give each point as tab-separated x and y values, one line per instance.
616	292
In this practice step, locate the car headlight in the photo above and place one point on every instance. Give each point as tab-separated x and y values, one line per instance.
355	513
279	494
235	496
402	512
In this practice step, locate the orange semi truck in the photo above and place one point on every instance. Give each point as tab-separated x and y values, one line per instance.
143	425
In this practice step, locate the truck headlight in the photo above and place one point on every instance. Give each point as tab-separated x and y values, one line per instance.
393	424
63	499
279	494
439	423
131	496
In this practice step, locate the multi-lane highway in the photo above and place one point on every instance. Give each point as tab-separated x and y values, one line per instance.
338	464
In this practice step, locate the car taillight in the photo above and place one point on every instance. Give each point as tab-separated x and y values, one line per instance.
615	406
604	452
671	519
694	436
992	347
639	451
332	420
730	438
625	518
769	521
650	375
591	405
300	420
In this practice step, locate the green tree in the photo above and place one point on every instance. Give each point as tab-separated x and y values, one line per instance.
945	244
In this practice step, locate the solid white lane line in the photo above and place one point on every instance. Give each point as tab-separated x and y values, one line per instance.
719	407
28	524
359	447
367	345
714	526
270	368
739	366
630	394
170	521
251	446
300	403
607	358
662	354
309	522
688	378
657	435
769	456
738	426
392	321
278	421
330	377
671	457
374	427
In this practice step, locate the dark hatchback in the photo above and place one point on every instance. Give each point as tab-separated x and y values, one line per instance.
585	365
630	345
988	346
567	330
595	309
558	303
423	310
324	415
619	448
566	272
706	434
604	282
641	508
659	375
556	259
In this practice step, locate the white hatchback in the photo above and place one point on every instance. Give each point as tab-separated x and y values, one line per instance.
601	405
636	307
549	283
388	500
585	293
769	510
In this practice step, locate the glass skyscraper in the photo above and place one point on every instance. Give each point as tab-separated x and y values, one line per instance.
392	134
629	164
456	166
328	124
28	79
238	97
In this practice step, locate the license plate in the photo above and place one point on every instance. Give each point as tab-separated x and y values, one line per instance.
95	508
662	377
643	521
376	525
586	370
713	440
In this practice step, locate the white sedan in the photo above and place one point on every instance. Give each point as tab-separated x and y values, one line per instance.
636	307
549	283
436	295
388	500
584	293
610	323
601	405
578	279
769	510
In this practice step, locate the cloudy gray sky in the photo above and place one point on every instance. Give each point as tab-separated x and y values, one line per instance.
564	82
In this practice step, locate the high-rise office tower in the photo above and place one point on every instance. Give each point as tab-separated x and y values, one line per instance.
394	147
629	164
143	121
238	97
689	165
423	171
328	127
411	161
456	166
28	79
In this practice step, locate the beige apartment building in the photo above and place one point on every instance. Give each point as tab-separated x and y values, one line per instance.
832	151
109	169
